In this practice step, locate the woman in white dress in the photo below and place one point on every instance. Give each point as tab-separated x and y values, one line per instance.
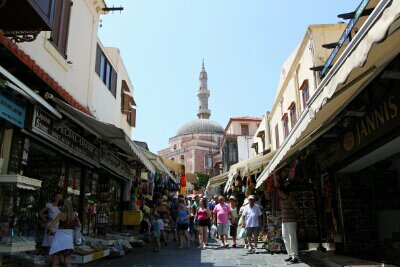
48	213
63	242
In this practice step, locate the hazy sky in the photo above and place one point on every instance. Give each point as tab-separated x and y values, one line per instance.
243	43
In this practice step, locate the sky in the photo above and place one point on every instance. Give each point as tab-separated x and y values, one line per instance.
243	43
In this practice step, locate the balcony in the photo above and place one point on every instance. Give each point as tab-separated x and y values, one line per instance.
26	15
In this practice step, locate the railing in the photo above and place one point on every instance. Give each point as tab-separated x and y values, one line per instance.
344	36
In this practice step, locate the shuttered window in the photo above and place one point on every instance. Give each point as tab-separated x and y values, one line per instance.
132	117
105	71
59	34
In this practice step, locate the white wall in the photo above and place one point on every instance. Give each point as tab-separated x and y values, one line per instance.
296	69
244	147
235	127
73	77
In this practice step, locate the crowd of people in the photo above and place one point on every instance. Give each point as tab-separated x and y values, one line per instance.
196	220
188	220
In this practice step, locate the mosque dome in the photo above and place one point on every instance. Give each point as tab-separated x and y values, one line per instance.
201	126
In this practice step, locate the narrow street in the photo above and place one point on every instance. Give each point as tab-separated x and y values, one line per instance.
193	257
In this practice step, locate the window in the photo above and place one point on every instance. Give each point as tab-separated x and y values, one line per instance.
131	117
208	162
293	116
277	136
305	93
245	129
105	71
59	34
285	127
255	146
232	153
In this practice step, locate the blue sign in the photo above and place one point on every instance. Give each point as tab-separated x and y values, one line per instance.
12	109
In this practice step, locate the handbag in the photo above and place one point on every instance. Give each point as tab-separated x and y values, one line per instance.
242	233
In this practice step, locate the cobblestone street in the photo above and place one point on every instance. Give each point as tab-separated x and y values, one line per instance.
193	257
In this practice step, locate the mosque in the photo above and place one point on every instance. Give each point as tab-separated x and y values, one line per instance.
197	143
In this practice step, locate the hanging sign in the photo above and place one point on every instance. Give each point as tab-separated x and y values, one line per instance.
54	130
12	109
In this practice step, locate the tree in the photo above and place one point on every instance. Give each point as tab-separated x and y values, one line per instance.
203	180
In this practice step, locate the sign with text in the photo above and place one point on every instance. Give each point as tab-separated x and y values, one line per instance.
12	109
55	130
378	120
108	159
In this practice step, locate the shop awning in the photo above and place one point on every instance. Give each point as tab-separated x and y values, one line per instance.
20	181
158	163
191	178
104	131
361	61
217	180
255	165
172	165
18	86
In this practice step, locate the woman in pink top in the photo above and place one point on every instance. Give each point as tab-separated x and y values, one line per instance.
203	217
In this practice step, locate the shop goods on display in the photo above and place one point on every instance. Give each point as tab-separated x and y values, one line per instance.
272	234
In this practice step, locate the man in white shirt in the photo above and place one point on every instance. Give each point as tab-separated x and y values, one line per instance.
252	221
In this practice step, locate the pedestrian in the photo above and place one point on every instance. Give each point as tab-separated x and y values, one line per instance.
183	222
173	210
63	242
222	215
193	209
245	203
48	213
211	205
156	233
203	217
252	221
234	226
289	213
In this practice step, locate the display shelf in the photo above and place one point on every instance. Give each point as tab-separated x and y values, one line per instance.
17	247
107	241
21	181
129	238
82	259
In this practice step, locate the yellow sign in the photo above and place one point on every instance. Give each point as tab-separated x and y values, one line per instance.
131	217
183	191
98	255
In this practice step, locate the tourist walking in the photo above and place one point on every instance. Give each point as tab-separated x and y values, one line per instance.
203	218
157	225
183	222
252	221
234	226
289	212
63	242
211	205
48	213
222	215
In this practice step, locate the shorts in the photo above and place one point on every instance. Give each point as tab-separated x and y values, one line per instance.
183	227
204	222
252	232
223	228
233	230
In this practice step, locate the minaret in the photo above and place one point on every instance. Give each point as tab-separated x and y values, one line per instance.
203	94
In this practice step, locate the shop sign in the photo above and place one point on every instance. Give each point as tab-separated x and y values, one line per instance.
378	120
46	125
12	109
108	159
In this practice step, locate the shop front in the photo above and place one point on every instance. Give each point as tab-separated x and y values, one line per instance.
362	167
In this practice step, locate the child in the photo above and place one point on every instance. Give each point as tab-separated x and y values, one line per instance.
156	231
